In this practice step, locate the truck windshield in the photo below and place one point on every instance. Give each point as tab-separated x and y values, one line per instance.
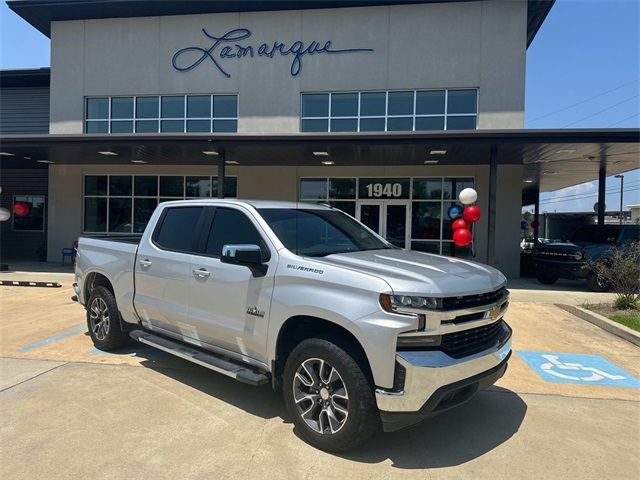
595	234
317	233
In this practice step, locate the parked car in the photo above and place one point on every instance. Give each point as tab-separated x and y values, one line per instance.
354	331
571	259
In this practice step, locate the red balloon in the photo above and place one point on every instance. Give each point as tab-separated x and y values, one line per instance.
21	209
534	224
459	223
471	214
462	237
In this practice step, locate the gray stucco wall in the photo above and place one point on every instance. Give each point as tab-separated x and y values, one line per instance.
444	45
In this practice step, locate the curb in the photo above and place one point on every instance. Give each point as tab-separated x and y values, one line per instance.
604	323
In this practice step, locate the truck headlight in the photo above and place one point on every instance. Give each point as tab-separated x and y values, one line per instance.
578	256
398	303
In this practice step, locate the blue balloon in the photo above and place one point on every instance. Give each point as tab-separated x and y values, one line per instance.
524	225
455	211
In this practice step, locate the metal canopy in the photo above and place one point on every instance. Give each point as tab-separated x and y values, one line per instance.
552	159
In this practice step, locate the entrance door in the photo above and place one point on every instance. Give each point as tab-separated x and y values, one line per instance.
388	218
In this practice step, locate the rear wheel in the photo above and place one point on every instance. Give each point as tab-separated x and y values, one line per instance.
328	396
546	278
103	320
597	284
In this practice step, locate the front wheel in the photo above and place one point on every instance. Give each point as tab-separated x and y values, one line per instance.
597	284
546	278
328	396
103	320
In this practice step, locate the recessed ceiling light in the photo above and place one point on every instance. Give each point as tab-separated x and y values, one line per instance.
138	161
431	162
232	162
438	152
321	154
210	152
565	150
328	162
6	154
43	161
528	181
550	172
107	152
27	158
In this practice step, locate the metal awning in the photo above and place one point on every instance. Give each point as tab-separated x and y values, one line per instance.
552	159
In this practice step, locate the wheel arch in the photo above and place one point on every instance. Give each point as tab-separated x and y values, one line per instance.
93	280
301	327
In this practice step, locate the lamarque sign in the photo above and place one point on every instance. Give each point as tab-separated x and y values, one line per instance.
226	47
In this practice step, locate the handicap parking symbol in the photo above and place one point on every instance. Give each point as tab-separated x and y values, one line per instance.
578	368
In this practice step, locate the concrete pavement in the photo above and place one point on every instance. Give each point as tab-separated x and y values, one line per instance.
69	411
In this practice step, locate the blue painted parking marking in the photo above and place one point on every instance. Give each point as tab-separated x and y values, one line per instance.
578	368
68	333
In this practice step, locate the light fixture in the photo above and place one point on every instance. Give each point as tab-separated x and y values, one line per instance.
232	162
328	162
210	152
138	161
565	150
6	154
528	181
321	154
438	152
550	172
43	161
108	153
431	162
27	158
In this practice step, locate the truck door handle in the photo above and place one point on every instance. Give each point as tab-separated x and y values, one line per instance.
201	272
146	263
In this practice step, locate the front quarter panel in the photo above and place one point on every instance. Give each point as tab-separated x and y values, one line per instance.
350	299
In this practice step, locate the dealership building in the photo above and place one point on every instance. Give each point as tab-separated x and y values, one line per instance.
384	109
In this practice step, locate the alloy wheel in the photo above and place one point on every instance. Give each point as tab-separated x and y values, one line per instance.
321	396
99	319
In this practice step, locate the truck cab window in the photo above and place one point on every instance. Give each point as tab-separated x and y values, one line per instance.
178	231
232	227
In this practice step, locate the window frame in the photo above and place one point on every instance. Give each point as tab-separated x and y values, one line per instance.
197	238
159	119
359	117
159	198
44	213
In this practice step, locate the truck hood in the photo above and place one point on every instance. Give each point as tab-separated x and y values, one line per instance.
408	271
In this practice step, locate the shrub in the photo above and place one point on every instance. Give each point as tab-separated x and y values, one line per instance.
620	267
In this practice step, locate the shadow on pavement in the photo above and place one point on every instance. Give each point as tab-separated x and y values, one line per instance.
562	285
455	437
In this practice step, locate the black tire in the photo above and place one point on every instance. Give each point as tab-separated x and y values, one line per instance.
362	419
106	336
546	279
597	285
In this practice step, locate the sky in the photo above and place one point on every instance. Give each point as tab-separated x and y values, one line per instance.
583	70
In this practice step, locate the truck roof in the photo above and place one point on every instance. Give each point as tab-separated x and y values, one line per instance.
252	203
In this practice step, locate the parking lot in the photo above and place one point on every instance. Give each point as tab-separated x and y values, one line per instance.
70	411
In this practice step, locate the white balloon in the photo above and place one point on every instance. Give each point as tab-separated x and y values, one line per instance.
4	215
468	196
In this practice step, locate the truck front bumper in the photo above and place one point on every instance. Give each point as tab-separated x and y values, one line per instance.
435	382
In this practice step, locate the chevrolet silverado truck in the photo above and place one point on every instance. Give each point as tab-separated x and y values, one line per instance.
570	260
354	331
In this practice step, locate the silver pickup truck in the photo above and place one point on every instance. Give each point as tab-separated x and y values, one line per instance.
354	331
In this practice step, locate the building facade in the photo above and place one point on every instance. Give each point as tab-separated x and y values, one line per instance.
369	70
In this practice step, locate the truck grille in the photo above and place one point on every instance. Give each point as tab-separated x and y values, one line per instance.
468	301
469	342
562	256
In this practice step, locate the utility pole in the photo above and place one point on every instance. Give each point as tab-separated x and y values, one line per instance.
621	177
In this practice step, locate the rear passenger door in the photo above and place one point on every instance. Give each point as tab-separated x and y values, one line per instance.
163	273
229	306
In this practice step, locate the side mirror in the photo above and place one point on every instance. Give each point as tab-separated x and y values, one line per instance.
248	255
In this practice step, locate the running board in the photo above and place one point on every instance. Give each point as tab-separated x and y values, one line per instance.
226	367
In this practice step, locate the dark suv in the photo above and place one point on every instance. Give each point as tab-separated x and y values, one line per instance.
588	243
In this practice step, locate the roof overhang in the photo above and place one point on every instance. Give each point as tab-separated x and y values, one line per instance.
40	13
552	159
25	77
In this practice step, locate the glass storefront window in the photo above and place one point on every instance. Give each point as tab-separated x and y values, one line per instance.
125	203
166	114
342	188
425	220
313	189
403	110
34	217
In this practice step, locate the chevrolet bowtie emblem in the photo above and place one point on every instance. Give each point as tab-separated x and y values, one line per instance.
494	313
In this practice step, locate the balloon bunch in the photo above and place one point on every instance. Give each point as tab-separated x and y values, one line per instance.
463	216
